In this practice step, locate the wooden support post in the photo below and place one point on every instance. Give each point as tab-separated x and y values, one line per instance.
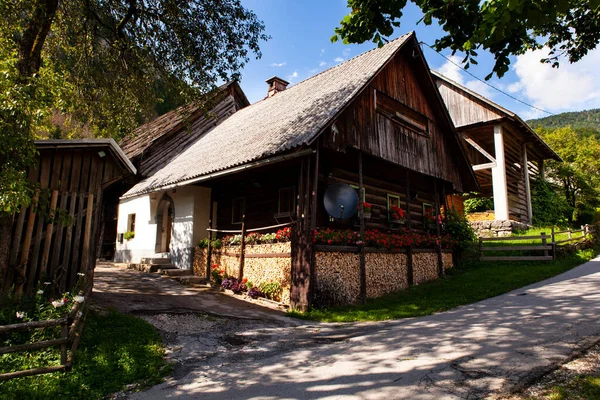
480	248
541	170
527	185
64	333
544	243
438	231
242	249
408	199
409	266
582	231
363	266
210	236
499	177
553	239
315	187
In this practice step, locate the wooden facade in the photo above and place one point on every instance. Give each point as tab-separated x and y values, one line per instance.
57	237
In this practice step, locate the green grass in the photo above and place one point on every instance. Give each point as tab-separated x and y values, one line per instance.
582	387
116	349
473	281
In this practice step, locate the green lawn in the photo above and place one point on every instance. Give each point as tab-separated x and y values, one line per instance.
116	349
471	282
582	387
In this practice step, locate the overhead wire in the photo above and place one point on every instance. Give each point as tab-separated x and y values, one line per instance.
485	82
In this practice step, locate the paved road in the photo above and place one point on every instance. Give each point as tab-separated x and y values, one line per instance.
471	352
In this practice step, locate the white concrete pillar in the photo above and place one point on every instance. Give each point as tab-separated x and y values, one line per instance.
499	176
527	186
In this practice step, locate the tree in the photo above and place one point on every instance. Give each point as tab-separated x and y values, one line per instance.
97	64
568	28
579	173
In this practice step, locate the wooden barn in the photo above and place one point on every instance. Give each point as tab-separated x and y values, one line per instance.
56	238
502	148
376	122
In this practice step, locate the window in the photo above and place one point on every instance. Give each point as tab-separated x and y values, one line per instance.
238	209
131	223
287	202
392	200
355	187
401	113
427	215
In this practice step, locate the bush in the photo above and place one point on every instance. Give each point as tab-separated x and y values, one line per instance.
271	290
204	243
217	274
255	293
216	244
549	208
478	204
459	229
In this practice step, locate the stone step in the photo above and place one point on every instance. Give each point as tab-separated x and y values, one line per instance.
157	261
161	269
191	279
176	272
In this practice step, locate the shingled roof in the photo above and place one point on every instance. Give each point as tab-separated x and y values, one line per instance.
290	119
145	135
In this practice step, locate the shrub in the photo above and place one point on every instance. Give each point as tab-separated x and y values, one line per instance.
458	228
129	235
549	208
478	204
271	290
204	243
255	293
216	244
217	274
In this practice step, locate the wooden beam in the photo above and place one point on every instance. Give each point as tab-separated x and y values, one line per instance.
527	185
363	267
478	148
499	176
479	167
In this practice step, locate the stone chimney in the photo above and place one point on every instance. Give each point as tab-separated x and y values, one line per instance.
276	85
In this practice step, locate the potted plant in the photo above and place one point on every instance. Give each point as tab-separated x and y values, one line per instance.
397	215
367	208
129	235
431	220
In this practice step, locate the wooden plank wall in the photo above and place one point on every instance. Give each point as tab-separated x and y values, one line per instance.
45	247
431	154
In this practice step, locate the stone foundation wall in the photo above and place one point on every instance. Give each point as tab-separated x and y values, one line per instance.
497	228
257	270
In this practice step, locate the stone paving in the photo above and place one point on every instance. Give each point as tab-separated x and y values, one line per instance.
482	350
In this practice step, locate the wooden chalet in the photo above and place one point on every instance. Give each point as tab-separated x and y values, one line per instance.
502	149
376	122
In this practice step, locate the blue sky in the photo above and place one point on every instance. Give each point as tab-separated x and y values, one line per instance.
300	47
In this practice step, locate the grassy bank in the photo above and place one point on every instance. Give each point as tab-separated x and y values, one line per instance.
115	350
473	281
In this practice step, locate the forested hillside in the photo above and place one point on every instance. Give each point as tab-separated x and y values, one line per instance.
588	119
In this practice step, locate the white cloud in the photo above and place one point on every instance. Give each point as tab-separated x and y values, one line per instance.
292	76
569	87
322	64
312	71
346	52
278	64
453	72
338	59
322	51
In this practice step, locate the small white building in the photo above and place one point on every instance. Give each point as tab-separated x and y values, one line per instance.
163	223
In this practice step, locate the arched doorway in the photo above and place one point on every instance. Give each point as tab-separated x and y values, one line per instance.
164	224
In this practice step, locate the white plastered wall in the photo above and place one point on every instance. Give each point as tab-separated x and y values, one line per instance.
190	220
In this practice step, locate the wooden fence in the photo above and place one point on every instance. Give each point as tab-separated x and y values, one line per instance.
68	340
546	249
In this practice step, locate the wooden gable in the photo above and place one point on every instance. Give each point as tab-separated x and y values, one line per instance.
400	118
